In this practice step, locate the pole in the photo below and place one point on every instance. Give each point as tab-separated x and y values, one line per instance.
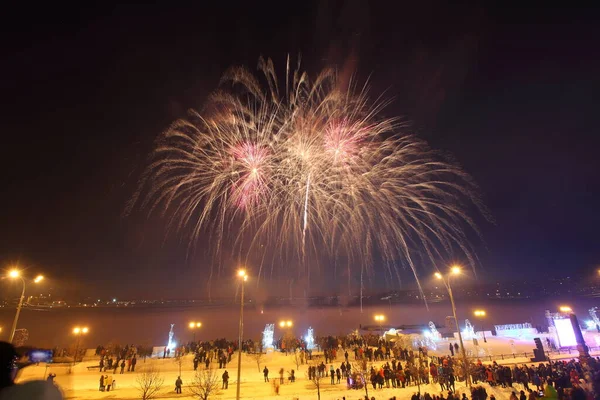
239	370
16	320
462	346
484	339
76	351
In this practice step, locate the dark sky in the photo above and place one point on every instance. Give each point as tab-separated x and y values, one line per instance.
511	93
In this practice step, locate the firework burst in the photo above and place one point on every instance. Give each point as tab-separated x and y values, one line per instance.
315	169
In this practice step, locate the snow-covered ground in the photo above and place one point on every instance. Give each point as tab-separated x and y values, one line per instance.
83	384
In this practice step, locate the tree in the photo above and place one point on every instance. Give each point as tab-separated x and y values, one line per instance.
361	370
206	383
257	357
298	358
316	380
179	361
149	383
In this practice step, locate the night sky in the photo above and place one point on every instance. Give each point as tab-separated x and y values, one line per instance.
509	92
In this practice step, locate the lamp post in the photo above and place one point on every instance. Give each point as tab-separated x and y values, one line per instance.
193	326
481	314
455	270
380	318
78	331
243	277
285	324
16	274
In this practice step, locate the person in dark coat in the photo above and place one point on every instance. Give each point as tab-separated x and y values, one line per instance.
178	384
225	380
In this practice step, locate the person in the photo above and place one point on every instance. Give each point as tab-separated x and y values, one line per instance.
225	380
51	377
178	384
451	349
281	376
513	396
522	395
108	380
122	366
102	383
266	373
133	362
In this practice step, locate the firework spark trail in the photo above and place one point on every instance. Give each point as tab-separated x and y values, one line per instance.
305	223
267	167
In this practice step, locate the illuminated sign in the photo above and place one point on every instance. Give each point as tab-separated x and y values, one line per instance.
566	335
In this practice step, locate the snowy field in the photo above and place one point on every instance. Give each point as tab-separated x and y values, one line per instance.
83	383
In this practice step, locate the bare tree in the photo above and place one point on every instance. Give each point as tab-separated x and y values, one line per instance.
298	358
316	380
149	383
257	357
361	370
179	361
206	383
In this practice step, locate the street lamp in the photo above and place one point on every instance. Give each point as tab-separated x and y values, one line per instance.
16	274
455	270
78	331
243	276
481	314
565	309
283	324
380	318
193	326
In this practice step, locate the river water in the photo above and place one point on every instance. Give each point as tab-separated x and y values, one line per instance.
150	325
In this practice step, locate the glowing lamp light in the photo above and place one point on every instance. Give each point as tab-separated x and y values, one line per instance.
14	273
438	275
565	309
80	330
195	325
479	313
379	318
38	278
455	270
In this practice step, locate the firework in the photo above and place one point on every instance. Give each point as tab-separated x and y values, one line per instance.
314	169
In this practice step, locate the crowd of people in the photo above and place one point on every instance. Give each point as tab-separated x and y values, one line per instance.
370	361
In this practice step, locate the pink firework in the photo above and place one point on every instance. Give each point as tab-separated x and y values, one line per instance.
250	169
343	141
